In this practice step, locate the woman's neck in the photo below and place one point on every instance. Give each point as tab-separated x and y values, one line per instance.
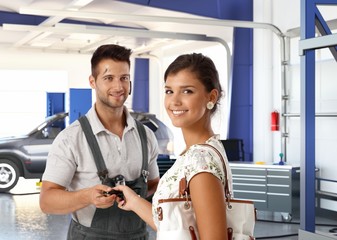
196	137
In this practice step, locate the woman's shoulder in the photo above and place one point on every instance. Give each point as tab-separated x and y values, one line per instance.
204	158
212	147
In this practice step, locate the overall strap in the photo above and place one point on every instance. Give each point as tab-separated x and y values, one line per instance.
143	140
96	152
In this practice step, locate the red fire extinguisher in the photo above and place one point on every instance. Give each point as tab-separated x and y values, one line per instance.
275	121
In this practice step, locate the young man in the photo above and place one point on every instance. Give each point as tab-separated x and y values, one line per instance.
71	183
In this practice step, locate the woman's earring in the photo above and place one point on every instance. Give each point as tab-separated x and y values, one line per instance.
210	105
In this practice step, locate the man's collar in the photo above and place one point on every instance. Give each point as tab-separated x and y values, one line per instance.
98	127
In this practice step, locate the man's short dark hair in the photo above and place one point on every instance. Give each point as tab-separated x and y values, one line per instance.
109	51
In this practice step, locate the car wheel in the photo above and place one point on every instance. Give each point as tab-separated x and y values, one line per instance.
9	175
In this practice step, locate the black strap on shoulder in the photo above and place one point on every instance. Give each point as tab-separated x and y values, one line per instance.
143	140
96	152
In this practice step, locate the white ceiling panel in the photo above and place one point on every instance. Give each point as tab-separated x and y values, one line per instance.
142	28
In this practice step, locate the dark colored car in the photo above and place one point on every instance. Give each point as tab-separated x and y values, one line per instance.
26	155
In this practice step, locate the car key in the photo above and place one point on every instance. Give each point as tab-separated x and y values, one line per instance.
118	193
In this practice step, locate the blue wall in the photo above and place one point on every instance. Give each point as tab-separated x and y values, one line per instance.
241	112
55	103
140	101
80	102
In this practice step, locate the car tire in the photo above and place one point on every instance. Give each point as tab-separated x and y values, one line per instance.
9	175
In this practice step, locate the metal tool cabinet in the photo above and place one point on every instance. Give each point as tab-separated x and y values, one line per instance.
272	187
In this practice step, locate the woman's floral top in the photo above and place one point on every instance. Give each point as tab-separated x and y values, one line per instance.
197	159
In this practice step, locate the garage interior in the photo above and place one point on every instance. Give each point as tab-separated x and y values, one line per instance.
253	44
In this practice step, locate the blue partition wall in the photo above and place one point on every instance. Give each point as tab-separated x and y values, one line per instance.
80	102
140	100
55	103
241	110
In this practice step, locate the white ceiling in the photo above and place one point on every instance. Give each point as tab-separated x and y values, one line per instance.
141	28
147	28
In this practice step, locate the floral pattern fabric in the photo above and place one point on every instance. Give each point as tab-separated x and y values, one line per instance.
197	159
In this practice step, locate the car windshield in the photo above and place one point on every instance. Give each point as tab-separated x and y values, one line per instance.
46	122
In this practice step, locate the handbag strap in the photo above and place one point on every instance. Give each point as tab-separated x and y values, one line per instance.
96	152
227	192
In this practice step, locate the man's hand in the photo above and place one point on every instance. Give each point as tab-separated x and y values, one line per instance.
100	198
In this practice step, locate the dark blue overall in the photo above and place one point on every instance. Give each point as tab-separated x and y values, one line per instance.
113	223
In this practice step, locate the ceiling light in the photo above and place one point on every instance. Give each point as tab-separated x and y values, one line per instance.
83	36
40	44
77	4
81	3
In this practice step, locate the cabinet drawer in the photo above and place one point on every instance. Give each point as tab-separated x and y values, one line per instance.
250	187
279	172
279	189
249	180
279	203
280	180
260	201
260	205
248	171
250	196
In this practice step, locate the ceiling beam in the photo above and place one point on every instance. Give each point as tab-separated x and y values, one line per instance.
87	29
146	18
109	32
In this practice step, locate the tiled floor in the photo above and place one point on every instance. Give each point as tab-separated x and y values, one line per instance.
21	218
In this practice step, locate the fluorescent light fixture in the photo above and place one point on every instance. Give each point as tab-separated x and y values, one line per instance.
40	44
77	4
84	36
81	3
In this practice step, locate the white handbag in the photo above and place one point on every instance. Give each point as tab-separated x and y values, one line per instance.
177	219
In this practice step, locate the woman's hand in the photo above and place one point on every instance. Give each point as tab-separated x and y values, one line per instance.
129	202
133	202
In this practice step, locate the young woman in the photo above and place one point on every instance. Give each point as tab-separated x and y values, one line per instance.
192	91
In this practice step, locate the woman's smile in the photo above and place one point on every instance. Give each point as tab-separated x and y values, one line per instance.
178	112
